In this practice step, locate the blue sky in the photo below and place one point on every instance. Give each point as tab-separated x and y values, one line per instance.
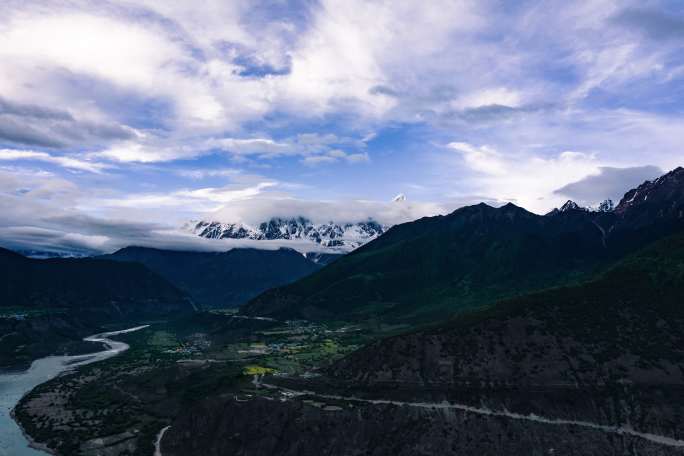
120	121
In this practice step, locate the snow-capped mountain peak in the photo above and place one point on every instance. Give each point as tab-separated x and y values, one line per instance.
335	236
606	206
668	187
571	206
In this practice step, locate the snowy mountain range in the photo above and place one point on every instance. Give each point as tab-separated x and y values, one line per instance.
604	206
342	237
338	238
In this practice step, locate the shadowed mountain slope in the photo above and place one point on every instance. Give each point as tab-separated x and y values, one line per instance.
221	279
624	326
476	255
86	285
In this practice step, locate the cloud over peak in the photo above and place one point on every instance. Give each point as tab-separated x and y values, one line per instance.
158	112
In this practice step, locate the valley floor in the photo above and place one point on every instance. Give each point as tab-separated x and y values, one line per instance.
223	385
119	406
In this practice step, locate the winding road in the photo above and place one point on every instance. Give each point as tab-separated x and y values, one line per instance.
620	430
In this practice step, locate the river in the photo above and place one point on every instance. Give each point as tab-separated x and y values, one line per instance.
13	386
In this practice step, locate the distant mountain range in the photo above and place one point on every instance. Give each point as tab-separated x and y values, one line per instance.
604	206
47	306
97	290
435	266
338	237
45	254
222	279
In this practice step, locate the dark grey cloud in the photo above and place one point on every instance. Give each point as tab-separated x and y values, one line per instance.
30	110
19	132
656	24
491	113
88	131
610	183
34	125
494	113
384	90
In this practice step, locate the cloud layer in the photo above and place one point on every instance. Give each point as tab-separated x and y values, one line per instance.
147	114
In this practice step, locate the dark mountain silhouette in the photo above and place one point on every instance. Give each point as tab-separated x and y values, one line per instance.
91	287
221	279
476	255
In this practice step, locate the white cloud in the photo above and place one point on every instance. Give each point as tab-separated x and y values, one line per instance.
134	53
488	97
250	146
354	46
316	148
190	200
483	158
131	151
335	155
357	158
48	212
127	86
255	210
223	195
26	196
218	23
87	43
207	173
379	61
66	162
527	180
318	160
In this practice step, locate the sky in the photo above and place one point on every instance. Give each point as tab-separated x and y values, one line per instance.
120	121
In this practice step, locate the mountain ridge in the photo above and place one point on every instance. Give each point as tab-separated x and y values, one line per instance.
221	279
86	285
331	235
474	256
622	306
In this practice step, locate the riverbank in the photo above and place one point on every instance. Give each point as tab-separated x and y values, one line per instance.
31	443
24	340
121	406
19	439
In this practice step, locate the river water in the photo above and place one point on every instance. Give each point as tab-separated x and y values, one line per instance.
13	386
